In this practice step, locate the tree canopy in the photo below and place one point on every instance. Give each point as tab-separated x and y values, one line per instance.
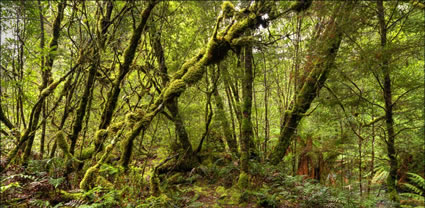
212	103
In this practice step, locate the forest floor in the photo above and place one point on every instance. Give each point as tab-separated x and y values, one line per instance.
213	184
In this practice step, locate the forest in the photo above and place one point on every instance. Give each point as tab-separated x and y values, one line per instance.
292	104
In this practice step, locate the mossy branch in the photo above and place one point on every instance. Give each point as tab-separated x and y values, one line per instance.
92	173
192	71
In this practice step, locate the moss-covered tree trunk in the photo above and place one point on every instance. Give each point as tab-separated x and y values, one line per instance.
47	64
81	110
389	120
224	123
5	120
247	133
192	71
319	65
68	88
129	53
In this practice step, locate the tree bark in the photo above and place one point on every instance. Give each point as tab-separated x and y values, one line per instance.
224	122
247	133
319	66
46	78
129	54
389	120
192	71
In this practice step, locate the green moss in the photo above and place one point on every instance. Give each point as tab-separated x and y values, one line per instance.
243	181
126	148
243	41
221	191
182	71
100	136
229	196
176	179
133	117
62	144
175	88
154	185
71	196
87	153
104	183
89	178
194	73
228	9
105	155
50	88
115	127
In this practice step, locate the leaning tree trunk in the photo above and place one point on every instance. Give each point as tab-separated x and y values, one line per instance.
129	54
319	66
392	176
191	72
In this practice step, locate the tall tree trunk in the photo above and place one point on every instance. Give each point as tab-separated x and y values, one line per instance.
232	117
319	66
266	110
389	120
224	123
43	130
372	162
360	141
46	78
81	110
68	94
247	132
95	53
129	53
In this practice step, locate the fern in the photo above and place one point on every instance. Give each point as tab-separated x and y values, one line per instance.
40	203
7	187
28	177
417	179
381	174
414	189
56	181
75	203
417	188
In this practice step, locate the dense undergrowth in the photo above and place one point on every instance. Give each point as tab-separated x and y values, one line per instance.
213	184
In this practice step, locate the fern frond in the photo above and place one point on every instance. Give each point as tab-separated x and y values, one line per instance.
413	188
417	179
380	175
413	196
